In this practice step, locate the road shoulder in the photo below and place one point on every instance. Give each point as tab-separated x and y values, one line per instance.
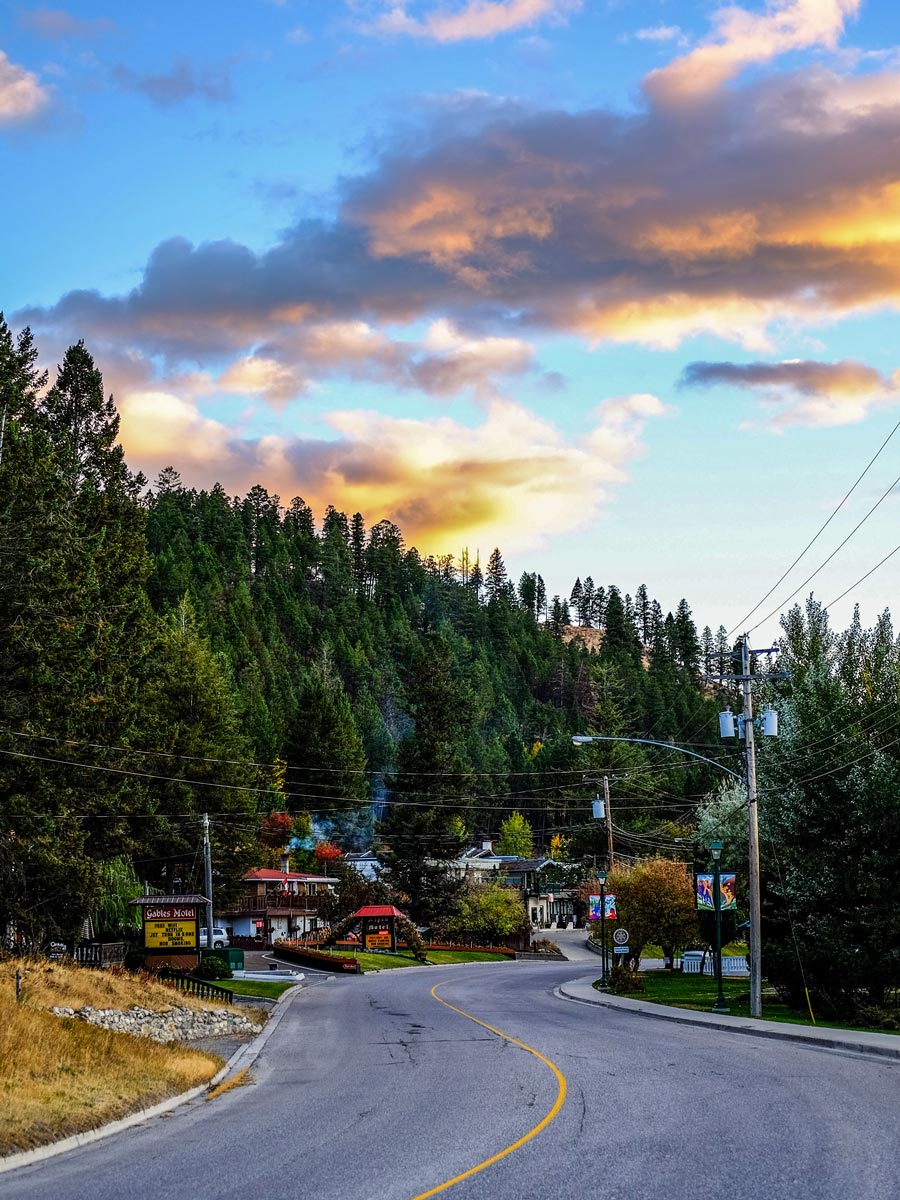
242	1058
885	1045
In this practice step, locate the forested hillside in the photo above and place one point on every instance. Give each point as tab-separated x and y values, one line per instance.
167	651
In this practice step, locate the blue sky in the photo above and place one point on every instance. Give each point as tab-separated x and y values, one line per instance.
610	285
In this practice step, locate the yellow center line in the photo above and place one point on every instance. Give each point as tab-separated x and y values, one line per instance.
557	1104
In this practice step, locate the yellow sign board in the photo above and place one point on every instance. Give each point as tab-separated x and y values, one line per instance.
378	941
170	935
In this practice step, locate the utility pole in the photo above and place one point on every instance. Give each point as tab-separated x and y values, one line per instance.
207	882
746	731
609	828
753	821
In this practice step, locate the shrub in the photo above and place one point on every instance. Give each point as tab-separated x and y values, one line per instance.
545	946
623	979
212	967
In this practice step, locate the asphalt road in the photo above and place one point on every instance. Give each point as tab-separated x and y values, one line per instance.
371	1089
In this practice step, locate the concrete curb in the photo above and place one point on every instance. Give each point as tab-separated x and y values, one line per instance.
883	1045
242	1058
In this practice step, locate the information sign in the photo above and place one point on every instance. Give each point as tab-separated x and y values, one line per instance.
378	941
170	935
620	937
170	927
621	949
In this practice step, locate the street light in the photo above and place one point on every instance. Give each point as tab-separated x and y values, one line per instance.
604	982
715	849
748	781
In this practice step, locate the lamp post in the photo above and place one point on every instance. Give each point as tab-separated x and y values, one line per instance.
748	781
604	982
715	849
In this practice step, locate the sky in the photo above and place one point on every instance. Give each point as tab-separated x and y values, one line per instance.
609	284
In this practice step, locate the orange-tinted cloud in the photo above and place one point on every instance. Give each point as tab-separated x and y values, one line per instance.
762	202
513	479
801	392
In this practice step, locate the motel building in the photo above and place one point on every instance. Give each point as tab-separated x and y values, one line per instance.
276	905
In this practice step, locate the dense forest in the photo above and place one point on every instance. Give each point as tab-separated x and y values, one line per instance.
167	651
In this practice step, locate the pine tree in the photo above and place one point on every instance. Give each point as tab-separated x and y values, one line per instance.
495	579
83	424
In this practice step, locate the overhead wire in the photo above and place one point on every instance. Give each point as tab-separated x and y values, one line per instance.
780	607
816	535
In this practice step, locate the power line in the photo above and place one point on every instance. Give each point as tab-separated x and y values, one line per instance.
809	578
815	536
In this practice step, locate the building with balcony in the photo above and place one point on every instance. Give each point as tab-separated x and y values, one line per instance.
276	905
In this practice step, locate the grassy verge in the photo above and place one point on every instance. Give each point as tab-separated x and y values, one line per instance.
59	1077
458	956
255	987
387	962
698	992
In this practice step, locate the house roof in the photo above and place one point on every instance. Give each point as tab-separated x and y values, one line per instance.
378	910
187	898
514	865
267	875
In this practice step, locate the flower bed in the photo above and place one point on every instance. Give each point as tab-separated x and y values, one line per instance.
294	952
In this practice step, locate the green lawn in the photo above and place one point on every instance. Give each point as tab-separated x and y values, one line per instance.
255	987
698	992
652	951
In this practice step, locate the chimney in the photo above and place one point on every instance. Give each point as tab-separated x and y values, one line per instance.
285	862
486	845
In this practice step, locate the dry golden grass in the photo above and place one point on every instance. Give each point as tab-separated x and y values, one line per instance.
45	984
240	1080
59	1077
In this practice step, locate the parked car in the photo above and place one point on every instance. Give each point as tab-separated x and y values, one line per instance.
220	938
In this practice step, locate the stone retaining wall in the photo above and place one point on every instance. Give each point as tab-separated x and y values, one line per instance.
173	1025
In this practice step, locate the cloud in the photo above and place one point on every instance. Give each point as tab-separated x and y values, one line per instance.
741	38
260	376
660	33
22	96
513	479
182	83
472	19
56	24
443	363
803	392
773	201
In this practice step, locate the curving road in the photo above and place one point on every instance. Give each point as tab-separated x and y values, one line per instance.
371	1088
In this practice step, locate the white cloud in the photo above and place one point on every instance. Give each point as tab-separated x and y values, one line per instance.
741	38
21	94
475	19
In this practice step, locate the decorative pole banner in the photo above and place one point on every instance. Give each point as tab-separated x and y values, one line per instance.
727	892
609	905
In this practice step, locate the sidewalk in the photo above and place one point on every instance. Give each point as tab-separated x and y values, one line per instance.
886	1045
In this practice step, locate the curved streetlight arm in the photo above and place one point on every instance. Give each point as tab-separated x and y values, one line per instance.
585	740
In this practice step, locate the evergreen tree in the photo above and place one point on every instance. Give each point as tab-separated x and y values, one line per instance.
495	579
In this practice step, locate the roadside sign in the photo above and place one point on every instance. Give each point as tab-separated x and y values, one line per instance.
621	949
620	937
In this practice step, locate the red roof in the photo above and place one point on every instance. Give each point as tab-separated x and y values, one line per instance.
270	876
378	910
